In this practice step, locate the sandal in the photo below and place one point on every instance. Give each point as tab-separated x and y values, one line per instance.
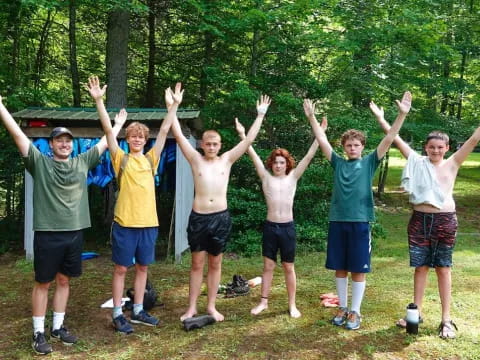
402	323
446	329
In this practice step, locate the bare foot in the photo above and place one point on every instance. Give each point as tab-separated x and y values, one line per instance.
259	308
190	313
294	313
216	315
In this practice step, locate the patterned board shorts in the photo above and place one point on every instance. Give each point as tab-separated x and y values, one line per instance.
431	238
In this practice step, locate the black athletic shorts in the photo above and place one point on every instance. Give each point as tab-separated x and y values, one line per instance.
209	232
279	236
57	252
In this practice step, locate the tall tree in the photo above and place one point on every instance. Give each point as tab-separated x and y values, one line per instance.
117	57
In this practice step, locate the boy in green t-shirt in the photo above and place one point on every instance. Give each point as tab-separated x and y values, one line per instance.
351	209
60	213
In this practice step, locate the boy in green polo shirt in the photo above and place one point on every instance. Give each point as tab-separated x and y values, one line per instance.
352	209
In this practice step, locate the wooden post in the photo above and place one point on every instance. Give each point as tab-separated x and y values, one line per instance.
28	217
183	200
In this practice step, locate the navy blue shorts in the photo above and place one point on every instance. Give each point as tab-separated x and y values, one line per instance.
57	252
431	238
279	236
209	232
349	246
133	245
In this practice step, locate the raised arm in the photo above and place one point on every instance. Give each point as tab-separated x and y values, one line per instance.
403	108
21	140
303	164
461	154
378	112
239	149
97	93
120	119
257	162
319	132
174	100
187	149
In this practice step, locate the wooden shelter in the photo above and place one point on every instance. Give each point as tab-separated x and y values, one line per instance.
84	123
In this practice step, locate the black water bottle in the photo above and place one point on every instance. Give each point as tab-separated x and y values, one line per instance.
412	318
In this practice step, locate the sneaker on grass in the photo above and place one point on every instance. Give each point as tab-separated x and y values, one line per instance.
144	318
121	325
340	317
64	335
40	344
353	321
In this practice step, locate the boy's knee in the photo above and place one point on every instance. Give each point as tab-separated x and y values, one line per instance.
120	270
62	280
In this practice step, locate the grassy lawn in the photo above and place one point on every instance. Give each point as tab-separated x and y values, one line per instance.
273	334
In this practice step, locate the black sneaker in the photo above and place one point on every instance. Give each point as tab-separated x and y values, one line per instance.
144	318
63	335
40	344
121	325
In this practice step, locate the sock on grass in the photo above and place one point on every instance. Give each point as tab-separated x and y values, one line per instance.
137	308
342	291
38	324
58	320
117	311
358	289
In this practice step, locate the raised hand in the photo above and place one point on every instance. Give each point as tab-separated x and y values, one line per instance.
177	95
240	128
405	104
263	104
309	108
377	111
121	117
93	87
324	123
168	98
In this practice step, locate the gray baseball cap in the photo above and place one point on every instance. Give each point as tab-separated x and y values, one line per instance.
60	131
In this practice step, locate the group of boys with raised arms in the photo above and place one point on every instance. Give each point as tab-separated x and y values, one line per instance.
61	211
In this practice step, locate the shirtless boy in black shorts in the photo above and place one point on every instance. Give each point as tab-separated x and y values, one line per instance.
279	228
209	224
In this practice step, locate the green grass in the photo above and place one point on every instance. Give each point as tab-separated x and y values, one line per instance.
273	335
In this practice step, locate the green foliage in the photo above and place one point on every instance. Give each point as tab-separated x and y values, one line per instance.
227	53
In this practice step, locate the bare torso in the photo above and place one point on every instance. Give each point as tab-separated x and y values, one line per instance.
211	181
279	193
446	172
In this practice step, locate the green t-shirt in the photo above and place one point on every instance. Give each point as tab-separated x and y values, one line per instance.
352	198
60	197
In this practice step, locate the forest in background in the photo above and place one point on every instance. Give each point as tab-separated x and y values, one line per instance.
226	53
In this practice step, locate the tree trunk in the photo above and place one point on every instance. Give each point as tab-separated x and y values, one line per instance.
152	52
72	28
116	58
41	52
382	175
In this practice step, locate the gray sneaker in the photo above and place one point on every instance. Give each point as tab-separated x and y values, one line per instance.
144	318
40	344
64	335
353	321
121	325
340	317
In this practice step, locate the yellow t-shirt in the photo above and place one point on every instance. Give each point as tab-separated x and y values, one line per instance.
136	205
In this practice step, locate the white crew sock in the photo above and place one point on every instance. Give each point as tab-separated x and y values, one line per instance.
38	324
342	291
58	320
358	289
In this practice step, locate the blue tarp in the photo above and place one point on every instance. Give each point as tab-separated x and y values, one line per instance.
103	173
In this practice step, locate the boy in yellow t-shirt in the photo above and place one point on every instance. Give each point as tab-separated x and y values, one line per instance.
135	225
